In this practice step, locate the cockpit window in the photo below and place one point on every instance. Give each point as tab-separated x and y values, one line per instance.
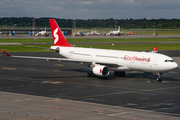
169	60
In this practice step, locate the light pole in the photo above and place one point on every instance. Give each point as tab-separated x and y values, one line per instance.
154	30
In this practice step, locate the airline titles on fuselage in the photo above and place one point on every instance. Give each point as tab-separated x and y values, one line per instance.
135	58
126	57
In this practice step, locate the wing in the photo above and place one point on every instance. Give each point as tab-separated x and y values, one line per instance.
44	58
66	59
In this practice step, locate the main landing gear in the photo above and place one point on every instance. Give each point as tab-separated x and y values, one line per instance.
159	77
91	74
119	73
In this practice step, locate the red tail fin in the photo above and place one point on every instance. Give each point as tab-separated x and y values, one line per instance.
58	37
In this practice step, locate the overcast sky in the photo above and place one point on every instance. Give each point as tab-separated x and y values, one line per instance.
91	9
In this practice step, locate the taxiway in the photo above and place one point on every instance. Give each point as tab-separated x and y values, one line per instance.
39	89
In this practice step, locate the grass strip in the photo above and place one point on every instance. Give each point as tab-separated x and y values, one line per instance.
76	40
130	47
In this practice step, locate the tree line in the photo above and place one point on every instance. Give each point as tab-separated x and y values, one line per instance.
93	23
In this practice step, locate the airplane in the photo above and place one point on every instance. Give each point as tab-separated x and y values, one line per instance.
79	33
102	61
112	32
93	33
42	33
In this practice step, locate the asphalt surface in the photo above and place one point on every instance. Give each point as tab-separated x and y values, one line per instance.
67	80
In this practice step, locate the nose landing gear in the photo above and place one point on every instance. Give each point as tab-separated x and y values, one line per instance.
159	77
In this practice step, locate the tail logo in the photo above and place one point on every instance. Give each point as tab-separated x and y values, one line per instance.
56	35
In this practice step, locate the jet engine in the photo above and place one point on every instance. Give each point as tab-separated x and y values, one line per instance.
99	70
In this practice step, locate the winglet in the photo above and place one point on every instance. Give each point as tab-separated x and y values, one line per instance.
58	37
4	51
155	49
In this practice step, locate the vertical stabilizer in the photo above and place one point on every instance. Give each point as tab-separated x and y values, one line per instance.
119	29
58	37
155	49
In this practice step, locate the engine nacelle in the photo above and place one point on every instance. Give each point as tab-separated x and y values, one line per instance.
100	70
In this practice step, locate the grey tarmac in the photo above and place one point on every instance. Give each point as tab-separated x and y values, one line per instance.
38	89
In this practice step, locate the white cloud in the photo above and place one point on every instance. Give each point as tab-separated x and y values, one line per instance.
87	9
86	2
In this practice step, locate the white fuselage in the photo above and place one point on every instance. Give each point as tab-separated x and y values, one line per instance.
123	60
114	32
41	33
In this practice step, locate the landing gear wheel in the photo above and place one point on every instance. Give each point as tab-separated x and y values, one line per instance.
159	77
115	73
93	75
89	74
123	73
119	73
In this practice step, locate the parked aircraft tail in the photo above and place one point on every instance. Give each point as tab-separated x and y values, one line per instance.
119	29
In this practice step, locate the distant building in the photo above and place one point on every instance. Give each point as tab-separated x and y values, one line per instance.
27	31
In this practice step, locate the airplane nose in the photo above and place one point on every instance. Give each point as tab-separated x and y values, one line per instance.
175	65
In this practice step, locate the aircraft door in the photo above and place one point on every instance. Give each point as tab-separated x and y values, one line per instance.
154	63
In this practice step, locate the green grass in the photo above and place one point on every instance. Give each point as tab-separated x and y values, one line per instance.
76	40
175	32
122	40
30	40
133	47
23	48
